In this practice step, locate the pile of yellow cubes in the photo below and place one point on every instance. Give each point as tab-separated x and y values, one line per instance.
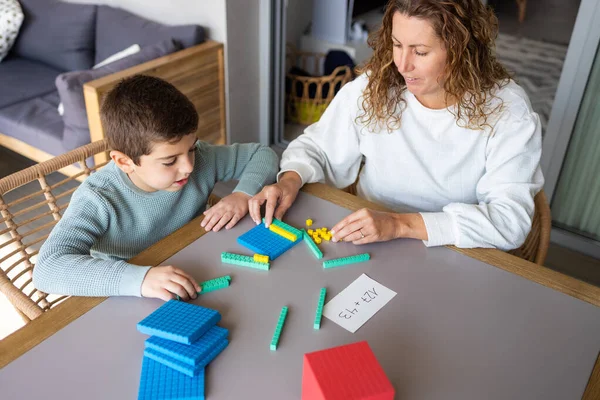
318	234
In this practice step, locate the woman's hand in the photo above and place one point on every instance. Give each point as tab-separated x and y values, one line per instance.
228	211
368	226
279	197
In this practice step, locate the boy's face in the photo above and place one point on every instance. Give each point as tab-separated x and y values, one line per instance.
167	167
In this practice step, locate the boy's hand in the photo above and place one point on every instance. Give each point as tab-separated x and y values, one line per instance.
228	211
165	282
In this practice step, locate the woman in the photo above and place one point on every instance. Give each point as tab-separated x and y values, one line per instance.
442	129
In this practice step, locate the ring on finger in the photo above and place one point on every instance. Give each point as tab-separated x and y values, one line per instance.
362	235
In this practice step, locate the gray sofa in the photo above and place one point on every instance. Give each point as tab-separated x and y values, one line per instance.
52	59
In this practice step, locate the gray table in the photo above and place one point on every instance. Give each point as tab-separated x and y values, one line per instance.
458	328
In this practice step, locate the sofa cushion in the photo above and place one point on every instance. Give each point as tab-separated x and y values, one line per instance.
117	29
35	122
59	34
11	18
122	54
22	79
70	87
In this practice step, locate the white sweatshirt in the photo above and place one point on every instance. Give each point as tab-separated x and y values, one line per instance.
473	188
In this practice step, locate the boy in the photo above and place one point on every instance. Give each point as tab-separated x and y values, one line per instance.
159	179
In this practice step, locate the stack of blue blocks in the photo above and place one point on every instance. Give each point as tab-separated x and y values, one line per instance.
184	339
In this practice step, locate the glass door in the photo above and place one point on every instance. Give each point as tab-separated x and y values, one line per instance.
571	154
577	196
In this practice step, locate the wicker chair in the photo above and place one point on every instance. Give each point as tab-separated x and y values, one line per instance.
28	225
535	248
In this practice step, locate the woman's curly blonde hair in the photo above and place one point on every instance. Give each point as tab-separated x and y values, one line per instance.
467	29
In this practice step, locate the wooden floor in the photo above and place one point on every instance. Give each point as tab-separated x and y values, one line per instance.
11	162
573	263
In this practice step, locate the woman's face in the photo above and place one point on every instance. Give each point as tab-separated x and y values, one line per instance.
420	57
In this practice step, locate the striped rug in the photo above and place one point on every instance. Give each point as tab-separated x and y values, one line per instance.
536	66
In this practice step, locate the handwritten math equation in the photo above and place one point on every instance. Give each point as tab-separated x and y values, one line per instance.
356	304
367	297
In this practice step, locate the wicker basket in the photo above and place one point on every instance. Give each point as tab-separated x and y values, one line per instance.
307	97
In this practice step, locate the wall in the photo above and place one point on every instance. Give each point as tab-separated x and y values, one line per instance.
299	16
243	69
208	13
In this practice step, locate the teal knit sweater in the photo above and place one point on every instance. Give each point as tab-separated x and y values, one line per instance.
110	220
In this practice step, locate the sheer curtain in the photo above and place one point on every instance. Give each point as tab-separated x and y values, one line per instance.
576	203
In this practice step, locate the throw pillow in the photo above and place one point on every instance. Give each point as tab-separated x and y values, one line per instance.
115	57
117	28
70	88
11	18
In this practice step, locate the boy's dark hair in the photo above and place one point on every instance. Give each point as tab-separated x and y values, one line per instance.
142	110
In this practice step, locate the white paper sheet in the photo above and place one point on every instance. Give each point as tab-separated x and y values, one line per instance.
356	304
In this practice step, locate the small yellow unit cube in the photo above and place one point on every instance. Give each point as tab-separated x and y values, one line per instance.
318	240
310	232
261	259
309	222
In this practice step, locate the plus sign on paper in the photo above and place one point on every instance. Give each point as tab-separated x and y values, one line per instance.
356	304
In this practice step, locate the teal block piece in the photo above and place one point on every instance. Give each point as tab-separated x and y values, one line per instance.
287	227
319	312
215	284
312	245
189	370
179	321
244	261
278	328
338	262
190	354
157	381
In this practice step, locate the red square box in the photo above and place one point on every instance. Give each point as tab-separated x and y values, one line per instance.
349	372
